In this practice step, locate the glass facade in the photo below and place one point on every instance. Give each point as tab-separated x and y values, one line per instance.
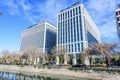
118	22
50	40
73	31
42	35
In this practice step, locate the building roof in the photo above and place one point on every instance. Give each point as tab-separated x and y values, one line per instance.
40	23
78	3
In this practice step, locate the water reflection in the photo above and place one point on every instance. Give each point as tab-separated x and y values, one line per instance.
20	76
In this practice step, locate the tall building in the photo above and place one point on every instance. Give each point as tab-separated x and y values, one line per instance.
76	29
41	35
118	21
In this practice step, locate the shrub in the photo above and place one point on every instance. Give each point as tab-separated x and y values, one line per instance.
100	65
21	65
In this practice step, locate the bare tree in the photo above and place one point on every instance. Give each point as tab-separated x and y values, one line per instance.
100	49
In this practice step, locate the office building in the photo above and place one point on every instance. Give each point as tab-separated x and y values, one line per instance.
76	29
41	35
118	21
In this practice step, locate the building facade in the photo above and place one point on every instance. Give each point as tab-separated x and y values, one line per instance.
41	35
76	29
118	21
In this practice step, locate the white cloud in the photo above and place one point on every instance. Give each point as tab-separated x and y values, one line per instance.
13	8
103	13
49	9
109	30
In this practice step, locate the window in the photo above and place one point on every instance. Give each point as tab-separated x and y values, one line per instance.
68	30
81	33
78	47
82	46
70	13
63	31
72	47
69	47
79	10
73	12
65	15
77	26
75	48
74	29
71	31
61	17
58	17
117	18
76	11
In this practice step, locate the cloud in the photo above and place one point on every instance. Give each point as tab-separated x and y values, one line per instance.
50	8
103	13
109	30
36	11
12	6
21	8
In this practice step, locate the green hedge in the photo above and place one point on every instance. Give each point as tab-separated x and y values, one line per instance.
112	71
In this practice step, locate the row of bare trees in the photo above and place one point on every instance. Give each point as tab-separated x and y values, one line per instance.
33	55
95	49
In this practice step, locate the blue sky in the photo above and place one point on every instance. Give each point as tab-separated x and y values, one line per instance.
20	14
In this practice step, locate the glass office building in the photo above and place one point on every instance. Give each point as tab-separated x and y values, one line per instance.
76	29
118	21
41	35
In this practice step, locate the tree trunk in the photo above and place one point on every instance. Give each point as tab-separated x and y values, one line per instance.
90	61
107	62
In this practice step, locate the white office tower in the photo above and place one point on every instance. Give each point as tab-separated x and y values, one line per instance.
76	29
118	22
41	35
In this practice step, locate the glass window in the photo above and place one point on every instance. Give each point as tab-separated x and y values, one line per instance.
75	48
63	16
68	30
81	33
79	10
63	31
70	13
76	11
58	17
74	29
69	47
73	12
82	46
117	18
78	47
77	28
72	47
71	31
